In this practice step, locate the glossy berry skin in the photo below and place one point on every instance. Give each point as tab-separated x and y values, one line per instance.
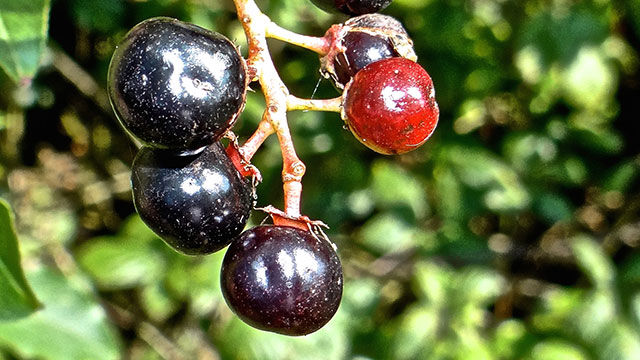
352	7
196	203
390	106
360	41
282	279
361	49
175	85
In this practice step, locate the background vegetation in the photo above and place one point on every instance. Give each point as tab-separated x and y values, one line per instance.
512	234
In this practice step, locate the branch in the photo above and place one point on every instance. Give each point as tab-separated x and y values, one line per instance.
332	105
255	25
320	45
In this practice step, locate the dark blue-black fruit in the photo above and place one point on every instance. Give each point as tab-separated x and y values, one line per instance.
352	7
175	85
282	279
361	49
196	203
361	41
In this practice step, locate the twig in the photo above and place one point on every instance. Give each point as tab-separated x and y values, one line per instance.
255	25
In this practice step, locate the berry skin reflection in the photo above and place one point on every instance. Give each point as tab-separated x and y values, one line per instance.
282	279
197	203
179	89
175	85
390	106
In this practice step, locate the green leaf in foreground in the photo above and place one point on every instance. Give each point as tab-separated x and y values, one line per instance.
16	298
131	258
23	34
70	326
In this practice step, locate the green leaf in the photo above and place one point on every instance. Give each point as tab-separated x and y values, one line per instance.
630	271
511	340
418	328
71	325
157	302
131	258
557	350
483	170
392	186
23	34
388	232
102	16
622	176
330	342
16	298
593	261
452	205
553	207
478	285
196	280
578	28
117	263
634	9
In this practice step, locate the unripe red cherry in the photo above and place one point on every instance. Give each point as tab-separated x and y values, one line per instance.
390	106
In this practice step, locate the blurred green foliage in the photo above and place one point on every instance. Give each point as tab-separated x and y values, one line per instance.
512	234
23	34
18	299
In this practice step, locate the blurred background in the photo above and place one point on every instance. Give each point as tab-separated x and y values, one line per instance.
512	234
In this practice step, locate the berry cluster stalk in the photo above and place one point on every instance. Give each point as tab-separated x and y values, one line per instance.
257	27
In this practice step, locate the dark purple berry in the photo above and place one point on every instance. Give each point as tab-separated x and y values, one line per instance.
282	279
361	49
196	203
175	85
352	7
361	41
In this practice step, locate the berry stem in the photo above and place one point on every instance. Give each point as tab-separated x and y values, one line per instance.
255	25
332	105
319	45
250	147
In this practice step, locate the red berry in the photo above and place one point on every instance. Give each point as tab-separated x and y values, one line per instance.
390	106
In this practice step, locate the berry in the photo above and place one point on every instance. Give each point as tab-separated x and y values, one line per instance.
361	41
352	7
196	203
390	106
175	85
282	279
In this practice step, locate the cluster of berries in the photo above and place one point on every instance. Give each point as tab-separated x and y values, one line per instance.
178	89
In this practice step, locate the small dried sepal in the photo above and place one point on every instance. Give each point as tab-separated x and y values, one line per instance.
243	166
303	222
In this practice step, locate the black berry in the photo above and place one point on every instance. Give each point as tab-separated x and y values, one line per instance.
361	49
282	279
196	203
361	41
352	7
175	85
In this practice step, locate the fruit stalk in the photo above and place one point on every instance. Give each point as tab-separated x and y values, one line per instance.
320	45
255	25
296	103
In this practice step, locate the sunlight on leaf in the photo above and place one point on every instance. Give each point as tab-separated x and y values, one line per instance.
70	326
23	34
16	298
